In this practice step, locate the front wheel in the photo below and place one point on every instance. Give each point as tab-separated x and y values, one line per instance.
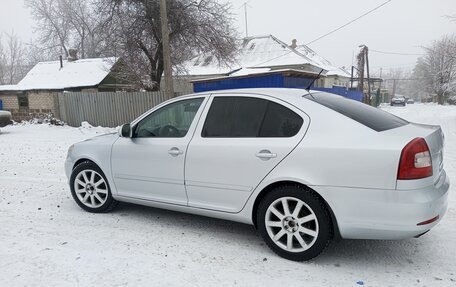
294	222
90	189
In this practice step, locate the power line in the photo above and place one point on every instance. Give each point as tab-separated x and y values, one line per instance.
348	23
395	66
395	53
405	79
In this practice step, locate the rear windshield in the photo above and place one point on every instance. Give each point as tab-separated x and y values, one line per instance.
369	116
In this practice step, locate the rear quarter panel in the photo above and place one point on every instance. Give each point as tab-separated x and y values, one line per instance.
338	151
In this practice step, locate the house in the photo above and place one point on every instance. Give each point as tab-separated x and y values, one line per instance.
257	78
335	76
37	93
264	53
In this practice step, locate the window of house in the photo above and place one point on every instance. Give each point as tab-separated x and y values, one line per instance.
246	117
22	100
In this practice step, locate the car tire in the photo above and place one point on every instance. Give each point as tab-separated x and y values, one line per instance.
90	188
309	226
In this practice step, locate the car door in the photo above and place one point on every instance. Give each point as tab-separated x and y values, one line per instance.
150	165
240	141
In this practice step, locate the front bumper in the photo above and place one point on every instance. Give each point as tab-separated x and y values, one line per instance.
68	167
387	214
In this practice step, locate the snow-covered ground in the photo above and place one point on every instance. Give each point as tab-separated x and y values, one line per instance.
47	240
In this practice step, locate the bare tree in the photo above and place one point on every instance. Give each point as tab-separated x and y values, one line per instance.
422	84
92	30
451	17
12	67
130	29
2	63
439	67
195	27
64	24
53	26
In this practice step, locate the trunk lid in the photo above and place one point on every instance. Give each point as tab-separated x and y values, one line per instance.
435	141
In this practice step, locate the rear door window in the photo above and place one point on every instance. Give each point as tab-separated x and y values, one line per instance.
369	116
280	121
248	117
234	117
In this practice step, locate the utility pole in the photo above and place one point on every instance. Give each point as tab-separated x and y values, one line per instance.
394	88
351	78
361	63
168	72
381	70
366	54
246	4
363	60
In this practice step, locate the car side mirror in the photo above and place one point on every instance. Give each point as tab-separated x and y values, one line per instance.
125	131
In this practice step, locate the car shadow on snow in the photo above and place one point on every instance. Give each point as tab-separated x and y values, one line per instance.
343	252
372	252
216	229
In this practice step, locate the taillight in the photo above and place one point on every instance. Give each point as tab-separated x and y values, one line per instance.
415	160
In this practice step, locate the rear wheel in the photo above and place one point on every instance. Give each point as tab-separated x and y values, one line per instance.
294	222
90	189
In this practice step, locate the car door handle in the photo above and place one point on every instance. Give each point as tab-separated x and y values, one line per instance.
265	154
175	151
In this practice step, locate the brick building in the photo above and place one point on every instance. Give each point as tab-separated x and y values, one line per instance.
38	92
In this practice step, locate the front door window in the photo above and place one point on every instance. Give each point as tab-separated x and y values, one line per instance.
171	121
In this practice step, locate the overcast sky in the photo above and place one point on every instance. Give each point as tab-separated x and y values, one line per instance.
401	26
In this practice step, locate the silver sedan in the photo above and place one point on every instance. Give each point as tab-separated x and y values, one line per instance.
303	167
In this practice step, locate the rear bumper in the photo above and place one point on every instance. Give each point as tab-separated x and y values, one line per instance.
387	214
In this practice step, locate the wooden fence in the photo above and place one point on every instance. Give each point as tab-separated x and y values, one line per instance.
107	109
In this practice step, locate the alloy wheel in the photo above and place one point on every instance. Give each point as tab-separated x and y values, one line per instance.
90	188
291	224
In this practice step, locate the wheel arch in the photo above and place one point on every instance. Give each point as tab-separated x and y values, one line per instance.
84	159
271	186
81	160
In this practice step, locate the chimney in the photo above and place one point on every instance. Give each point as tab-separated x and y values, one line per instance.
293	44
72	55
61	61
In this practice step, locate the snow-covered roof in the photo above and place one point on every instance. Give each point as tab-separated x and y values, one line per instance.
9	88
322	62
255	52
245	72
249	71
79	73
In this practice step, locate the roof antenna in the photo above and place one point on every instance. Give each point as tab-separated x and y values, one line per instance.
61	62
313	80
